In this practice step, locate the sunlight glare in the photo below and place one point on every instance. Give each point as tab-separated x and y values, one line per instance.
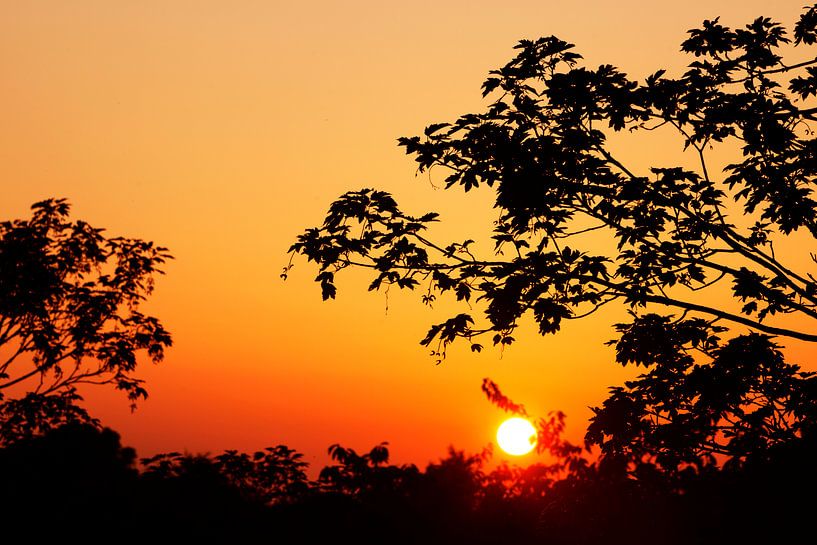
516	436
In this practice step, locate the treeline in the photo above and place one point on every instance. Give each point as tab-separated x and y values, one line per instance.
78	481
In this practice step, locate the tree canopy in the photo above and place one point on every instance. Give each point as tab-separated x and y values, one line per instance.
69	315
674	235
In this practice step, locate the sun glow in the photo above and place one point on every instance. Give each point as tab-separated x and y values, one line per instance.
516	436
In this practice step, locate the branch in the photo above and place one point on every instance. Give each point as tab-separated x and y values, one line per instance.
19	379
771	330
776	70
672	302
24	346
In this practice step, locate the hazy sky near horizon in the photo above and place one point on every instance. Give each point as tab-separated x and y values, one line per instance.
223	129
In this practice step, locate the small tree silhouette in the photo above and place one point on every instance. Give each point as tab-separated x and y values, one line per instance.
69	315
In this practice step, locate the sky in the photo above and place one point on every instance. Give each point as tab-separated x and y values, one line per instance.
223	129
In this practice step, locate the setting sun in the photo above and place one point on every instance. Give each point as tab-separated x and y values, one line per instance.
516	436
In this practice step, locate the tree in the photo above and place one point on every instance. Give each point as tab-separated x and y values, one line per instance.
69	315
77	477
672	235
273	475
364	474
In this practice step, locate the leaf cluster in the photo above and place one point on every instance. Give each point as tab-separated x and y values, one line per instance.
701	400
269	476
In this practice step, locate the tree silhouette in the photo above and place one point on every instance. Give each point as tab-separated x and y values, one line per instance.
71	481
69	315
742	402
269	476
671	236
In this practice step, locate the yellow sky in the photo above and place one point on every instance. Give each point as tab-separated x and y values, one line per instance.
223	129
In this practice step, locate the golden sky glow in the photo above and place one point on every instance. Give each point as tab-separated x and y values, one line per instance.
223	129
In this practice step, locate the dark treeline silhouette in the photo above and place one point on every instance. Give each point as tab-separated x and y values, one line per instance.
79	481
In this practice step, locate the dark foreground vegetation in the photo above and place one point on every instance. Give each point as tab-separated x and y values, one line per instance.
79	481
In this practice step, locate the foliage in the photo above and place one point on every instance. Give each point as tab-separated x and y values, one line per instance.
368	473
541	148
84	483
741	402
33	415
267	476
69	314
578	228
73	476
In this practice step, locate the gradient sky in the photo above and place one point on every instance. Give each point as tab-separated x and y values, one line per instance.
223	129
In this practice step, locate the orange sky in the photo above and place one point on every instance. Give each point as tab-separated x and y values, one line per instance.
223	129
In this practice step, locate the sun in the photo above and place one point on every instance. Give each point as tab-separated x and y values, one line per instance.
516	436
